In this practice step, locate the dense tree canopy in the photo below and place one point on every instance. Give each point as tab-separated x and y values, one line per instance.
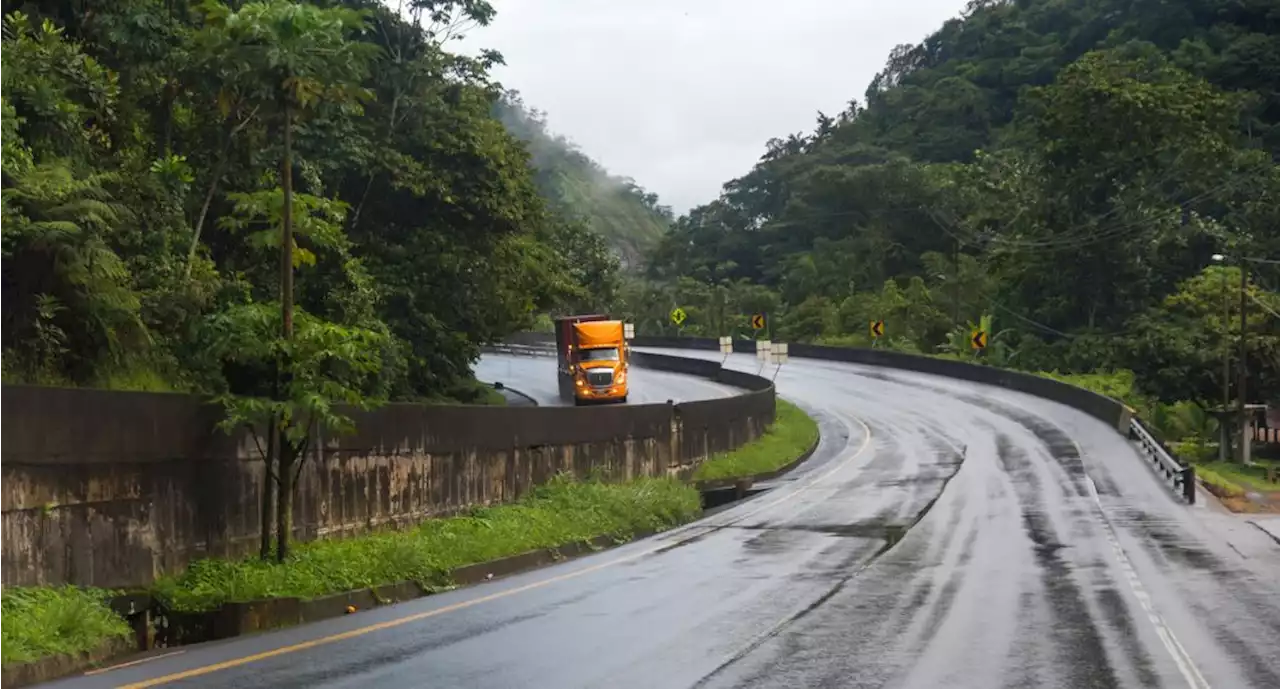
1062	172
145	176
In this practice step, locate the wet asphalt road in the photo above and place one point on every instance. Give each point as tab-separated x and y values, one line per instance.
944	535
535	376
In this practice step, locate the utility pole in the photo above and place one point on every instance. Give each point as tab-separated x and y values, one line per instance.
1225	437
1244	363
1226	351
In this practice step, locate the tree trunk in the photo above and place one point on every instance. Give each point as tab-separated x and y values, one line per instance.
170	94
269	489
286	231
204	212
288	453
224	156
368	185
284	497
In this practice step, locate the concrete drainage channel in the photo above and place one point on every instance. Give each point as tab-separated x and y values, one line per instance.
718	500
719	495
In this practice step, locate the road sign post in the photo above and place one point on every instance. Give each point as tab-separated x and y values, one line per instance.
762	353
678	316
877	329
978	340
726	348
759	321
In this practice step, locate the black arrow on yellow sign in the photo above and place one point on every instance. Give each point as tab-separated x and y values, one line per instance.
758	321
979	339
877	328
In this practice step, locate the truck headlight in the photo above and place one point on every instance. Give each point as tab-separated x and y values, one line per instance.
581	383
621	377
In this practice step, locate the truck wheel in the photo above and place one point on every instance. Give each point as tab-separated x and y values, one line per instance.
622	400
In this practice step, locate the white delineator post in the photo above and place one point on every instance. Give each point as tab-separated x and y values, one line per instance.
778	355
762	353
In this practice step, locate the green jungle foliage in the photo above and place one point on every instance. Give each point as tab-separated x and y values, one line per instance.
143	197
1059	174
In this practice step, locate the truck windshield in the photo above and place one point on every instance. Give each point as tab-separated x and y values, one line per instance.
602	354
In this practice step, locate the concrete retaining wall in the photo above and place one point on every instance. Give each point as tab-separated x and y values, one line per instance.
114	489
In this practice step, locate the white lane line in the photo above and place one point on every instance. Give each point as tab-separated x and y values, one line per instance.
1185	664
109	668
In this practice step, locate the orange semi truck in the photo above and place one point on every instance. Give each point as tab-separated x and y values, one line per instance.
591	354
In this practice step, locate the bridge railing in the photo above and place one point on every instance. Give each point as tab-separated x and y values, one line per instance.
1181	476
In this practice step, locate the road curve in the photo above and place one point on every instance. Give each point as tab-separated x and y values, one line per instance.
535	376
1045	554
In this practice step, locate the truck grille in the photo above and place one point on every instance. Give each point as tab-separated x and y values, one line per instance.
600	378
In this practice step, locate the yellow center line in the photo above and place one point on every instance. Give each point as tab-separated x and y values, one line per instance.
283	650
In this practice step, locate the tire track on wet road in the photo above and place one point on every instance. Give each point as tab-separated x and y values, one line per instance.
1081	617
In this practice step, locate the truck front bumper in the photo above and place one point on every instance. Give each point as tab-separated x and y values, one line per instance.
613	392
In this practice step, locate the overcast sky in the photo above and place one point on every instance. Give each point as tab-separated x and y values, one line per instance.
682	95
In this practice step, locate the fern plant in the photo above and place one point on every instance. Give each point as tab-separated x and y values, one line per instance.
56	227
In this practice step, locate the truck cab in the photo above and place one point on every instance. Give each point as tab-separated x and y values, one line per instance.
593	359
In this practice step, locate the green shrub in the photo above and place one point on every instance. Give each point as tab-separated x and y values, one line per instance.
45	621
791	434
560	512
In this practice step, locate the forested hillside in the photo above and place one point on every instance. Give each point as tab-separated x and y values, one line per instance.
616	208
1062	172
148	149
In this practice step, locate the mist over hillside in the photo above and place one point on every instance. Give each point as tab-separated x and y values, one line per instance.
628	217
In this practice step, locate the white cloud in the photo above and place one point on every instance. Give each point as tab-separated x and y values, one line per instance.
682	95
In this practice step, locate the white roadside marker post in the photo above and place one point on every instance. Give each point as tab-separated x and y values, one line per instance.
779	356
762	353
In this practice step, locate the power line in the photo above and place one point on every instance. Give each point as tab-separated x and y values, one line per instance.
1068	241
1264	305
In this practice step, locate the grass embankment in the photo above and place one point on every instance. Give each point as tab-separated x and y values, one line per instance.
470	391
1118	385
790	435
1253	477
492	397
561	512
1216	477
1232	479
45	621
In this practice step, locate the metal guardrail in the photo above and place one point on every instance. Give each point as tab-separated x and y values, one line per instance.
1182	477
519	350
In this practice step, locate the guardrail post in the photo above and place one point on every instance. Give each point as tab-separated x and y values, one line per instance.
1189	484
